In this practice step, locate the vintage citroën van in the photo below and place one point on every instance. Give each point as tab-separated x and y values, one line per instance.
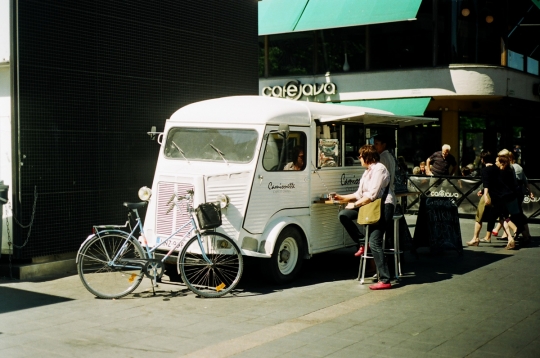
238	150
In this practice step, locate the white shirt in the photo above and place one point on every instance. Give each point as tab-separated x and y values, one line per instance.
390	163
374	182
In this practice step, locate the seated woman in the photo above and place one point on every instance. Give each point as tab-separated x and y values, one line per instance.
372	186
298	159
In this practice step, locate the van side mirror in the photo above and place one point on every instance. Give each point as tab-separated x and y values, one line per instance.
284	130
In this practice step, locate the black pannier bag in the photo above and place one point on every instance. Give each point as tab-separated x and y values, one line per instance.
209	215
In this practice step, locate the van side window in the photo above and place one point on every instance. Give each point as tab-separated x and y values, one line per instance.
354	139
282	155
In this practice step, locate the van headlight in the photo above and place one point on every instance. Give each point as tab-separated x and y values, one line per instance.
145	193
223	200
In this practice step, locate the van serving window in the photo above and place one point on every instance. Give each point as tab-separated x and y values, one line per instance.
211	144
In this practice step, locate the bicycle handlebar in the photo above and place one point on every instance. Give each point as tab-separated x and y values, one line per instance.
171	203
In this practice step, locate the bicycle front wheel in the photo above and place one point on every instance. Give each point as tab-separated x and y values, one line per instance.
217	277
105	276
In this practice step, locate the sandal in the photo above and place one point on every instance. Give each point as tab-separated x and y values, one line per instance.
486	240
510	246
472	243
495	233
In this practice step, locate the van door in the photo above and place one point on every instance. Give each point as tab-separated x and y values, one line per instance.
281	179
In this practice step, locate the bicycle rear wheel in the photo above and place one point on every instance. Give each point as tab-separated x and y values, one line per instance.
218	277
104	278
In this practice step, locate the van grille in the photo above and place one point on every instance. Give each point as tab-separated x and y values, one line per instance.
167	223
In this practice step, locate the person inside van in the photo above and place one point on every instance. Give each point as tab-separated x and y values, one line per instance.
298	159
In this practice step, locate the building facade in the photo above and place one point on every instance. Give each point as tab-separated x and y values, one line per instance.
471	64
81	84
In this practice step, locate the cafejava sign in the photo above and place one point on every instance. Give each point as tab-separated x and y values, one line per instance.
295	90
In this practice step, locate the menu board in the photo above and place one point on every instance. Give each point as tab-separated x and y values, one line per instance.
437	225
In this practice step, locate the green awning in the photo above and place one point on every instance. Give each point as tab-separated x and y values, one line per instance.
279	16
537	3
282	16
399	106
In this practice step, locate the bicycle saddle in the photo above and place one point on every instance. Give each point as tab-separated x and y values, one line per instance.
133	206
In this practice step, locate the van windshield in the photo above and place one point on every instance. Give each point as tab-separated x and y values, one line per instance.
211	144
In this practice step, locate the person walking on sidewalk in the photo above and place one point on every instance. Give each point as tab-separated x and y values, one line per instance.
483	212
372	186
498	191
522	189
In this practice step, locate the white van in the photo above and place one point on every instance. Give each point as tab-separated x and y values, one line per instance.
237	149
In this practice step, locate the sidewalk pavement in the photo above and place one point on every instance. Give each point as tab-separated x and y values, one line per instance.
484	303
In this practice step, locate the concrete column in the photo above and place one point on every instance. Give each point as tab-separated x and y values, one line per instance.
450	131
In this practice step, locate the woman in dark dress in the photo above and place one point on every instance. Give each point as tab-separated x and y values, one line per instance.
498	181
513	210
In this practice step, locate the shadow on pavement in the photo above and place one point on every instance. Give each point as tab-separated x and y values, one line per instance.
428	268
14	299
341	265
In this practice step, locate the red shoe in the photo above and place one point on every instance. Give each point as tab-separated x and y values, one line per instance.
360	251
380	286
495	233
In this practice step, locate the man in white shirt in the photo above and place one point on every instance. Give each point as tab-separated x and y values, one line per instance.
381	142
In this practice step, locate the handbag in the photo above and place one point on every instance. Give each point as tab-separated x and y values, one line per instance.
208	215
371	213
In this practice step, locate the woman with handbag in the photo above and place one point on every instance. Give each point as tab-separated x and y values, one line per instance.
522	189
373	185
511	201
483	213
498	193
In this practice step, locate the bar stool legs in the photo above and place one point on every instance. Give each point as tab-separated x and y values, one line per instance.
366	255
396	252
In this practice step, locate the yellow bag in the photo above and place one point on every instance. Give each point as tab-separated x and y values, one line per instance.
370	213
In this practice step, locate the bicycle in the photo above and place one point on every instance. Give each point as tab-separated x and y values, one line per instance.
112	262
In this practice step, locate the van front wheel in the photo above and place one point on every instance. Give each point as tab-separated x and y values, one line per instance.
287	257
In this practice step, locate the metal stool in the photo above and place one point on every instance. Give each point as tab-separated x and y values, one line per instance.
364	257
396	252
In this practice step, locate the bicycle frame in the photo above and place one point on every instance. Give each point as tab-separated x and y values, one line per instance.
150	252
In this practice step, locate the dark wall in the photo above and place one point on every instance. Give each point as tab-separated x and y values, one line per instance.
93	77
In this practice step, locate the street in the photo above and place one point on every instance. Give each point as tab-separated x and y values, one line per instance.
484	303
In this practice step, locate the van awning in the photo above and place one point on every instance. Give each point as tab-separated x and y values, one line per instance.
371	118
400	106
325	112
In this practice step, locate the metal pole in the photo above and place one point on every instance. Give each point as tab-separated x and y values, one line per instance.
435	32
266	59
368	49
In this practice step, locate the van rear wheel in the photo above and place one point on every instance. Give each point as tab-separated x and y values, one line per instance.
287	257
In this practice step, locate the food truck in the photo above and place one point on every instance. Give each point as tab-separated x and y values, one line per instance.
239	151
